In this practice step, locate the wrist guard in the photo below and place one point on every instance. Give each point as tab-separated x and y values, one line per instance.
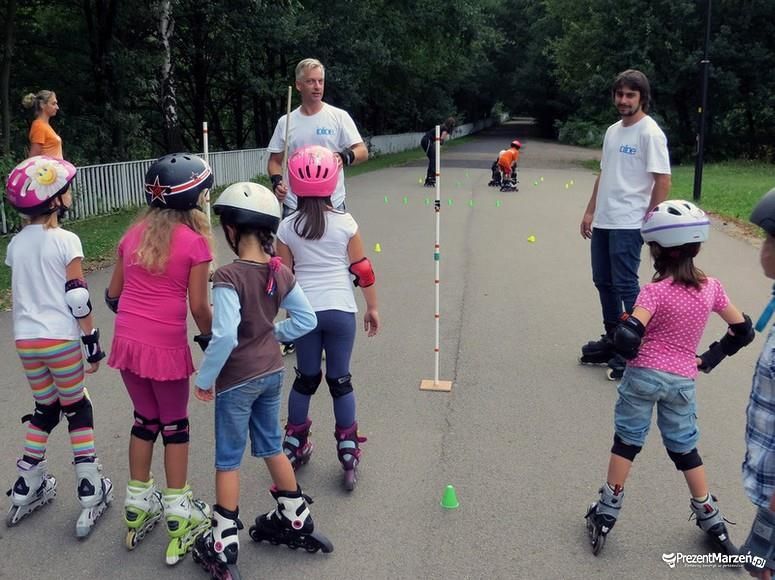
347	155
743	335
277	179
203	340
112	303
91	342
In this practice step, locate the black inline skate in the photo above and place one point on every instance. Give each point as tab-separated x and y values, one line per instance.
712	522
290	523
508	185
616	366
599	352
601	516
429	182
217	549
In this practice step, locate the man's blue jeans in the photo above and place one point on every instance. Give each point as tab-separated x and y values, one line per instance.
615	262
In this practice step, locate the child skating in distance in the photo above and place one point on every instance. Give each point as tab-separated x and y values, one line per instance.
504	168
325	248
162	267
243	372
759	463
659	341
51	318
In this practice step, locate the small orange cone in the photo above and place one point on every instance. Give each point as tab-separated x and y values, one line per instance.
449	499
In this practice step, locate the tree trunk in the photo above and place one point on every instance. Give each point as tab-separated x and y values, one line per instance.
168	98
5	74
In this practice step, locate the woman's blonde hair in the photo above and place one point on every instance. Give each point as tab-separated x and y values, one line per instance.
154	248
37	100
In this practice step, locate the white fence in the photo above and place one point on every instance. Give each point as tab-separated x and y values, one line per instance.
106	188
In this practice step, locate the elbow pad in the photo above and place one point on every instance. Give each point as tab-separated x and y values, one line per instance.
363	272
77	297
628	336
743	335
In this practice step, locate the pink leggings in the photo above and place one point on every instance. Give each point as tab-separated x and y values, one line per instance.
159	406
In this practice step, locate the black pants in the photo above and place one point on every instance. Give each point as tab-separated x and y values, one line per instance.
429	147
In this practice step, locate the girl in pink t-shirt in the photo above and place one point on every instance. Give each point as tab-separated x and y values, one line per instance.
660	340
163	260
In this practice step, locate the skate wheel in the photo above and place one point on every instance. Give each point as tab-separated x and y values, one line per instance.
11	519
612	375
131	540
597	544
350	479
253	533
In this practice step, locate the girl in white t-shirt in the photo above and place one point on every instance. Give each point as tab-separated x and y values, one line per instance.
51	318
324	247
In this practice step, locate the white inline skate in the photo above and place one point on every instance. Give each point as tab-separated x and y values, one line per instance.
186	518
34	488
95	493
142	510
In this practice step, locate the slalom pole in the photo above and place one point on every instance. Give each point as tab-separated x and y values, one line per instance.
287	134
436	384
206	155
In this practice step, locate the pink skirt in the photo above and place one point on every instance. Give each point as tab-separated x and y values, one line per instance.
151	362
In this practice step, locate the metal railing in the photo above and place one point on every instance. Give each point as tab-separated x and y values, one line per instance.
109	187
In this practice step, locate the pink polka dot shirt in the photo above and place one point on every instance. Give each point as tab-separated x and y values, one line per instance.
679	315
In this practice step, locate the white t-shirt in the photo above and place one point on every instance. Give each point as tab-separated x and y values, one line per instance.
38	258
330	127
630	156
322	267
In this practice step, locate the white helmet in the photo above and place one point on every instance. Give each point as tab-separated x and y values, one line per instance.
675	223
248	204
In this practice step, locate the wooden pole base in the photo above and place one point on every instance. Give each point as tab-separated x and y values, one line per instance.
430	385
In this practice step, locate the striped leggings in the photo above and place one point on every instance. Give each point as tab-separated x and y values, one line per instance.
54	369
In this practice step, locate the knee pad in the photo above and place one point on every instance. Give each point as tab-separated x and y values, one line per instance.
340	386
622	449
79	415
307	384
175	432
45	417
685	461
145	429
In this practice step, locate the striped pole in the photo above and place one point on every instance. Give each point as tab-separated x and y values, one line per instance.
206	148
436	384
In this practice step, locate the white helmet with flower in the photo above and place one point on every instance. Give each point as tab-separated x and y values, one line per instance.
36	181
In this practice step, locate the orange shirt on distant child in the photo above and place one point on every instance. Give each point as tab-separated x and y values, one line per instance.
44	135
507	158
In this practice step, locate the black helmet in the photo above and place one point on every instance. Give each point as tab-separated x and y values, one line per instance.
176	180
763	214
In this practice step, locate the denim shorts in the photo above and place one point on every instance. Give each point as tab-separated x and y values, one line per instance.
252	406
675	398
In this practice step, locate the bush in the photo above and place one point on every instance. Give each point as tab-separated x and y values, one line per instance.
580	132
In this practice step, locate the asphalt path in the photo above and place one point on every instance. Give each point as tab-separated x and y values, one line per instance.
524	435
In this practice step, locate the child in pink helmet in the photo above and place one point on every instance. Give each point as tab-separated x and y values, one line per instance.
51	318
325	249
162	268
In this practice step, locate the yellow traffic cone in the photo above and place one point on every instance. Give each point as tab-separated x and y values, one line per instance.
377	248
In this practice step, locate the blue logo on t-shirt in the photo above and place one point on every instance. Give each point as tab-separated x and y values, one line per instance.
324	131
628	149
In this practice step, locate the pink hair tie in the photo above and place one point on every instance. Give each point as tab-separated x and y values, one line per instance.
271	284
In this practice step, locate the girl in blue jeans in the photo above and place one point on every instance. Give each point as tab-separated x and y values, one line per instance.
660	340
243	363
324	247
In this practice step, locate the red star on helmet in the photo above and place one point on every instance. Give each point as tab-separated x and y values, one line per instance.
156	191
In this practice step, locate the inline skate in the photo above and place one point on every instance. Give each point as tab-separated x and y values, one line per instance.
616	366
186	518
599	352
217	549
290	523
34	488
429	182
142	510
349	452
297	445
601	516
95	493
710	520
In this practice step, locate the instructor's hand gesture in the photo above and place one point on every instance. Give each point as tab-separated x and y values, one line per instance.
585	229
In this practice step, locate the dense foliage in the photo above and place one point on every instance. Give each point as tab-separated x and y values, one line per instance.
137	77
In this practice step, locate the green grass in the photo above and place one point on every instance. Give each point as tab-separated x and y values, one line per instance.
729	189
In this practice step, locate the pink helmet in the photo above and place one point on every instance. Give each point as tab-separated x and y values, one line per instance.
37	180
313	171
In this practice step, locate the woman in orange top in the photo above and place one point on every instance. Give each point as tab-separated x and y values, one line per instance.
43	138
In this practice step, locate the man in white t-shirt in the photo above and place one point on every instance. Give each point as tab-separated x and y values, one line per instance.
314	123
634	177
